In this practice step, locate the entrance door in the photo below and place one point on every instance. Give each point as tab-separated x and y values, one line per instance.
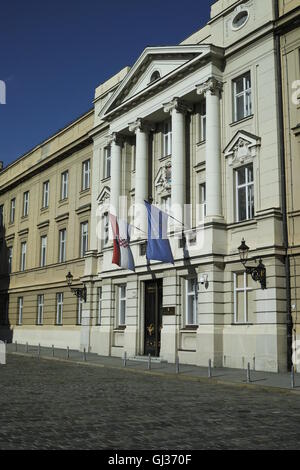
153	317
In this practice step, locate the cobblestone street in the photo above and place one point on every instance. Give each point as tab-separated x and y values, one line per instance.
53	405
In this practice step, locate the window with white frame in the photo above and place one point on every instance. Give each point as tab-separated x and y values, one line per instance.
86	173
25	203
202	121
84	230
107	161
244	298
23	256
12	210
99	305
167	138
43	250
59	307
122	304
202	201
242	97
79	311
244	182
64	185
191	301
10	258
46	188
40	309
62	245
20	310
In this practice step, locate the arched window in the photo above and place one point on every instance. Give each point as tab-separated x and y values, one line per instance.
155	76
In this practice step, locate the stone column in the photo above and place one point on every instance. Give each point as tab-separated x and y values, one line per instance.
211	89
141	130
116	169
177	109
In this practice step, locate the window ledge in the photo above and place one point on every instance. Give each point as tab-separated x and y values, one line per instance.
120	328
242	324
83	192
201	143
240	121
107	178
165	157
191	328
243	223
44	209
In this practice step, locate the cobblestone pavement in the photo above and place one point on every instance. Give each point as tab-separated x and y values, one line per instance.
53	405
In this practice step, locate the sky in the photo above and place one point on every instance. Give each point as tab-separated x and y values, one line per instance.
54	53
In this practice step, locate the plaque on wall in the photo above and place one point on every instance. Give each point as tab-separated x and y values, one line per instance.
168	311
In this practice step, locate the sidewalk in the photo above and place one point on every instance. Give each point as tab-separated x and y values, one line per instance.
237	377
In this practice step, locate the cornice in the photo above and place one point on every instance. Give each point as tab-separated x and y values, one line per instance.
82	209
62	217
178	105
43	224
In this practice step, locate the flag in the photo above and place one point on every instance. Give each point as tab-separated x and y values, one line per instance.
122	254
158	245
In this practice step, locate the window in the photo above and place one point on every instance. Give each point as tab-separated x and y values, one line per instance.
10	258
240	20
83	238
244	193
79	311
99	306
155	76
122	304
86	175
62	246
12	210
59	308
202	200
242	97
202	121
20	310
167	136
64	185
40	309
133	158
244	298
191	301
45	202
105	225
25	204
107	162
43	250
23	256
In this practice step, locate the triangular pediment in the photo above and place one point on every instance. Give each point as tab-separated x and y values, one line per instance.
242	147
167	61
104	195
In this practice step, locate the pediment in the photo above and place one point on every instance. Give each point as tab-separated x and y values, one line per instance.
104	195
162	181
242	148
168	61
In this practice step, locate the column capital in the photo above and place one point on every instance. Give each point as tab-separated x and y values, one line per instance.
115	138
212	84
140	124
179	105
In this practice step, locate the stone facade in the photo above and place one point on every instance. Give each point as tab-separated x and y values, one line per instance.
194	124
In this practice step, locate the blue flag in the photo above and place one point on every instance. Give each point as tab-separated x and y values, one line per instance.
158	245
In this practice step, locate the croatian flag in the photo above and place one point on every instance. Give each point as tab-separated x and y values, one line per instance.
158	245
122	255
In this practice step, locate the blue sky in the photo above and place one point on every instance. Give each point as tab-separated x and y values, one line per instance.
54	54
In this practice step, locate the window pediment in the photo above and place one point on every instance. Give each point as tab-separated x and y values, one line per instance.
242	148
104	196
162	180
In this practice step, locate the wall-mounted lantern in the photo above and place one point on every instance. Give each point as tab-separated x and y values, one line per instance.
258	272
80	292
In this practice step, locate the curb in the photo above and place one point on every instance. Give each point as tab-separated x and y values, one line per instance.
168	375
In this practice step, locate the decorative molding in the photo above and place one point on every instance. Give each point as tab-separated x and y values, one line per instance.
23	232
115	138
141	125
162	181
43	224
179	105
242	148
85	208
104	195
212	84
62	217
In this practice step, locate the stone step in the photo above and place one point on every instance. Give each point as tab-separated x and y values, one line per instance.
145	359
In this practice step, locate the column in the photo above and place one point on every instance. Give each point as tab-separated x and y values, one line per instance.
116	170
211	89
141	130
177	109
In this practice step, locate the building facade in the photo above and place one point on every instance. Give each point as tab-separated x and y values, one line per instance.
193	128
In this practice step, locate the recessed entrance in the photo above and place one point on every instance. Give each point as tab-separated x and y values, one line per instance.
153	317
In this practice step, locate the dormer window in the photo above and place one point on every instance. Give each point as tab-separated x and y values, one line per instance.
155	76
